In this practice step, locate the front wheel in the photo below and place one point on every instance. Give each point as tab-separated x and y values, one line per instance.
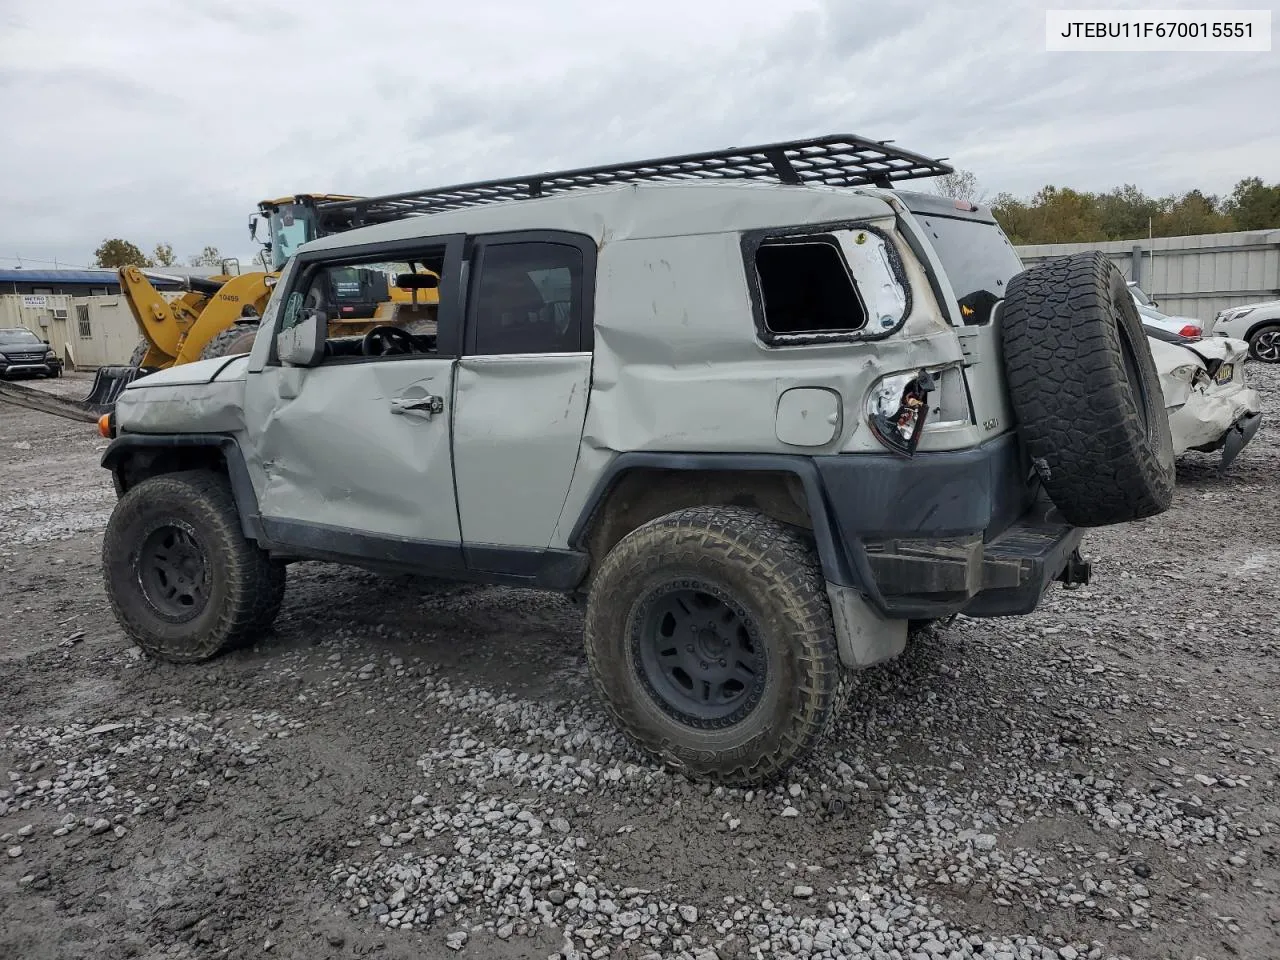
709	636
1264	344
184	582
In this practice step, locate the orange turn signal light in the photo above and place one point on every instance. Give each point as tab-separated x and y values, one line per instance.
104	425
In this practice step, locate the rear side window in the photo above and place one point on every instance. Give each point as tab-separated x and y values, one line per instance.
825	286
528	298
806	288
978	260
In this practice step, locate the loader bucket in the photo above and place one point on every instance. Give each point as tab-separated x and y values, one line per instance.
107	384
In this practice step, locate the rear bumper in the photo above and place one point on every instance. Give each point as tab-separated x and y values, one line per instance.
944	533
1238	437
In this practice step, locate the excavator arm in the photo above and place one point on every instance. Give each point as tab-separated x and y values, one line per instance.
175	331
162	324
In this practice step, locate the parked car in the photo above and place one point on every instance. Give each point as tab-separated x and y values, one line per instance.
758	430
1209	404
21	351
1256	323
1188	327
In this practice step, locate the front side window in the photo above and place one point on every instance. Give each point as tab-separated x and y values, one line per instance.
369	310
527	298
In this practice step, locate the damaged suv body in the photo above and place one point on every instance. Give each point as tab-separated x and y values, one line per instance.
757	428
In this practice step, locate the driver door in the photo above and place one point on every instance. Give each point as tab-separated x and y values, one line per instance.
354	450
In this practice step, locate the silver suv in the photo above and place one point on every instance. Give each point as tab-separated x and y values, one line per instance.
758	411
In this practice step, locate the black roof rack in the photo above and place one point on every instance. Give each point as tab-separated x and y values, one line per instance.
840	159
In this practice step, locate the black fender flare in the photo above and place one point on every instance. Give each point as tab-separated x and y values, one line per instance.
124	446
837	565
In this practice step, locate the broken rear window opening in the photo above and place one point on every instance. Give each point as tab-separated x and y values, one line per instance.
806	288
978	261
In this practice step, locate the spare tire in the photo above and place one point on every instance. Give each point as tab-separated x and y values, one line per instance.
234	339
1086	393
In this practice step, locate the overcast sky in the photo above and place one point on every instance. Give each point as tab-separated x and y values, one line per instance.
169	120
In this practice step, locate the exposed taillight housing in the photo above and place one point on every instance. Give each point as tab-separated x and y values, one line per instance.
1191	331
897	409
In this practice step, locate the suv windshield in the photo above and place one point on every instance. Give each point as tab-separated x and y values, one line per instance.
18	336
978	259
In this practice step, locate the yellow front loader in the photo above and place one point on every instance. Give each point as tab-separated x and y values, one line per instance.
219	315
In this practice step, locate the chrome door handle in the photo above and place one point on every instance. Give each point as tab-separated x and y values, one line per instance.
425	407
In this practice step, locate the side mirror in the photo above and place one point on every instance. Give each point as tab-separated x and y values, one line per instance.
300	342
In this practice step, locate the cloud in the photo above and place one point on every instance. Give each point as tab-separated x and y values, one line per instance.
168	122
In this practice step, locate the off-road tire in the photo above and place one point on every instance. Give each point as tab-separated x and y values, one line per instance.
229	341
773	574
245	587
1271	332
1086	392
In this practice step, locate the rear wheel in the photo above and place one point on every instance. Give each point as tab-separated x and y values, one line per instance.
709	636
183	581
1264	344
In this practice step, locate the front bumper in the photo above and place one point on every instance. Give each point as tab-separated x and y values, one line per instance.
42	366
944	533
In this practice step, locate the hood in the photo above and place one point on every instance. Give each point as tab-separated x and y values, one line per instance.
199	371
1264	305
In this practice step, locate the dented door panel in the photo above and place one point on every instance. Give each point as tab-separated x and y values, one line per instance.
517	426
343	452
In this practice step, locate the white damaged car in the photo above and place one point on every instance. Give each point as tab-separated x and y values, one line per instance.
1209	404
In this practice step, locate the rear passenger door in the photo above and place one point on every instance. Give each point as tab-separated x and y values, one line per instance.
520	390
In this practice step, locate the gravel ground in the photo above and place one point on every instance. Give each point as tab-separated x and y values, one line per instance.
413	769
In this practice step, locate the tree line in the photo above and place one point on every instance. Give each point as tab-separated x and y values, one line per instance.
116	253
1063	215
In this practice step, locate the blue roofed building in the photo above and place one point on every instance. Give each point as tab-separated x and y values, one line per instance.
74	283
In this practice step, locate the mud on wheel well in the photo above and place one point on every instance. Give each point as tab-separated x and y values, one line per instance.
643	494
145	462
214	453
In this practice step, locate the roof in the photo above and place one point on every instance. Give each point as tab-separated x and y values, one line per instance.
638	211
59	276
